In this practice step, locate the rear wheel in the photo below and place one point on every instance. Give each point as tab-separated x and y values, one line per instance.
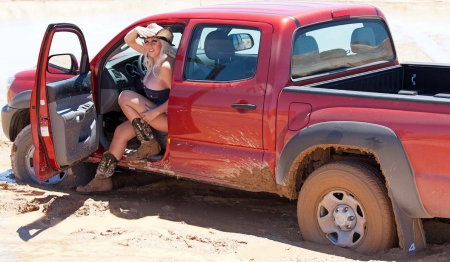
22	161
345	204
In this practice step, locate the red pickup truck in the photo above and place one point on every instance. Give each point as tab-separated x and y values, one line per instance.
311	104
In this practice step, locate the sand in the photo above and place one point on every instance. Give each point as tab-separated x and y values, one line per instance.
167	219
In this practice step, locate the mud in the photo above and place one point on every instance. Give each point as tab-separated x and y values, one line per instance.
173	220
315	157
19	205
209	243
254	180
310	160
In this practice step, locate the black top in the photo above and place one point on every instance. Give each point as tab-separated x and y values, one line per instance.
157	96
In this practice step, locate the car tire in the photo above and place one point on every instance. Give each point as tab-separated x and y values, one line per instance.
22	165
345	203
20	121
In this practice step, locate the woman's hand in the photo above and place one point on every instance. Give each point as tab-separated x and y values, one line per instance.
150	114
136	44
143	32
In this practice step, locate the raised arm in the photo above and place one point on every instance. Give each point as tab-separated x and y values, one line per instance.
133	42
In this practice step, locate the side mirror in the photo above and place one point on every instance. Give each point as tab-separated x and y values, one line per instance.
62	64
242	41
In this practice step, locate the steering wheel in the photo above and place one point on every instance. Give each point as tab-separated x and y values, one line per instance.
142	70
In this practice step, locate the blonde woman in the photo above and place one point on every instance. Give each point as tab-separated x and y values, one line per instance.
141	111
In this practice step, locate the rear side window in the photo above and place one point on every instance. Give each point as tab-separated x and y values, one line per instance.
221	53
341	45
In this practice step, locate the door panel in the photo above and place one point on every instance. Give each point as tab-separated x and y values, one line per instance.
215	119
63	115
74	121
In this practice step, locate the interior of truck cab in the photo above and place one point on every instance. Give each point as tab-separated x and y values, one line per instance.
222	54
123	70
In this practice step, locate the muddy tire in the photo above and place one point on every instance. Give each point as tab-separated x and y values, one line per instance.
345	204
22	162
19	122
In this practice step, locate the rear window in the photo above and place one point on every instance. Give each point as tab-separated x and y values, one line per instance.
339	45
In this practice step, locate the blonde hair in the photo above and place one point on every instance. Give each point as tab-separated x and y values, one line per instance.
153	65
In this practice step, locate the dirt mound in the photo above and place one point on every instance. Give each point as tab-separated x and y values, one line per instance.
64	206
175	220
18	200
181	241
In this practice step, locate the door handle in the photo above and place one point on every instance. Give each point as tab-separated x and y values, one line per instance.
244	106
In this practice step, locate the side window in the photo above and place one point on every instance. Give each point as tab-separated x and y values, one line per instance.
341	45
124	49
222	53
65	54
125	60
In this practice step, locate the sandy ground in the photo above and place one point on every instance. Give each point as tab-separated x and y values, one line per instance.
165	219
154	218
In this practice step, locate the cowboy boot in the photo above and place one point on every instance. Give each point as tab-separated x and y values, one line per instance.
149	145
102	180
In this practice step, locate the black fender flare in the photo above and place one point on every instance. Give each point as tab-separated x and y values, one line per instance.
380	140
12	112
388	150
21	100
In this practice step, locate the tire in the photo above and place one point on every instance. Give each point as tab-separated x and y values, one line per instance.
22	162
344	203
20	122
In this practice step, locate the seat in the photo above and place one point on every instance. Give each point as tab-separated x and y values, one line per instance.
333	54
362	40
306	49
195	68
220	48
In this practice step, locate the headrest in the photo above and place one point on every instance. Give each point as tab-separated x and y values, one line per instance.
307	45
362	36
218	46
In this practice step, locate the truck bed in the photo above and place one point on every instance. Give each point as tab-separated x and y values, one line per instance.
406	79
412	100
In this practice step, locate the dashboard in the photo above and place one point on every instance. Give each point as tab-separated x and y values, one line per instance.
120	73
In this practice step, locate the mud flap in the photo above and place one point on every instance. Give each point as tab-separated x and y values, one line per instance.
410	231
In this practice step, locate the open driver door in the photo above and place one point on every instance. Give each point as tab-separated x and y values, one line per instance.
62	114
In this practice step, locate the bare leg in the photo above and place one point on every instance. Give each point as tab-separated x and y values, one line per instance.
132	104
122	134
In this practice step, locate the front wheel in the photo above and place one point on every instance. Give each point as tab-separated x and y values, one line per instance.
345	204
22	160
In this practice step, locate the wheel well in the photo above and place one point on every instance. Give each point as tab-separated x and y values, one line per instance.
306	163
19	121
